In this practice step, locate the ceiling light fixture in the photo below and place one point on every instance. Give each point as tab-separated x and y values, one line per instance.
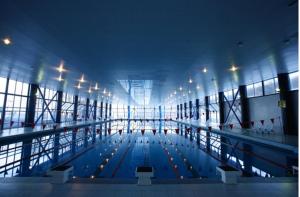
180	88
60	78
198	87
82	79
90	90
61	67
78	86
96	86
233	68
6	41
190	80
204	70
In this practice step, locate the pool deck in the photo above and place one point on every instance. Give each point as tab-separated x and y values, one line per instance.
284	142
245	189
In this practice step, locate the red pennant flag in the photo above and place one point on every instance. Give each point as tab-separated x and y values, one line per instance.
231	126
121	120
165	130
143	131
120	131
154	131
177	131
272	120
262	122
131	131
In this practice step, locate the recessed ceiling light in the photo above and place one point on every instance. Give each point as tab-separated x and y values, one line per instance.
233	68
190	80
90	90
96	86
204	70
180	88
60	78
6	41
198	87
82	79
78	86
60	68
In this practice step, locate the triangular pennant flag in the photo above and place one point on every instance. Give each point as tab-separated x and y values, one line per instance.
154	131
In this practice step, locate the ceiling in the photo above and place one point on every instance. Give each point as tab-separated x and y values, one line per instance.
165	43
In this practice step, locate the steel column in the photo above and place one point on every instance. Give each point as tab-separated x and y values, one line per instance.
223	140
31	103
207	119
190	109
245	114
160	119
75	109
197	109
105	118
284	87
181	116
185	110
247	158
87	109
177	112
58	120
25	158
128	119
94	118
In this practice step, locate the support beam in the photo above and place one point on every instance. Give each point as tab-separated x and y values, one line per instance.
105	118
94	118
247	158
207	119
190	110
31	103
109	116
245	114
177	112
75	109
160	119
101	118
181	116
87	109
223	140
58	120
197	109
284	87
185	110
25	158
128	118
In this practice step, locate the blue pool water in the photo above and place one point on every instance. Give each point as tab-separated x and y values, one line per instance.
172	156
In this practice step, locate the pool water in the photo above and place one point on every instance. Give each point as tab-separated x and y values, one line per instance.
171	155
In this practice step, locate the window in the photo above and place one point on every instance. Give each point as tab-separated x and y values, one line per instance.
15	104
258	91
228	95
269	86
67	107
250	90
294	80
42	114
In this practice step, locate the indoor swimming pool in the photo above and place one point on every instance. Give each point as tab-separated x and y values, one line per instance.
172	156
